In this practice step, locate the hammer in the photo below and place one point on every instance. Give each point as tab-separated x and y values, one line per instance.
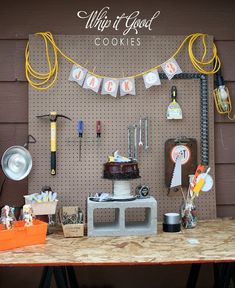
53	118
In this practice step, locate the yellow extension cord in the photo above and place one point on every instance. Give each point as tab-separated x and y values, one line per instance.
43	81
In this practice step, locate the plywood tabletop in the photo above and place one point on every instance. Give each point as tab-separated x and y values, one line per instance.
210	241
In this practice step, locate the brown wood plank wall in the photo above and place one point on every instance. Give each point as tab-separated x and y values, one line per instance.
29	17
21	18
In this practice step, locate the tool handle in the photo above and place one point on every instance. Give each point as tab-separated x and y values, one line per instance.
80	128
53	163
173	93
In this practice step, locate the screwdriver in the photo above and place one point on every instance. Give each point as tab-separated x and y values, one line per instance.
98	128
80	129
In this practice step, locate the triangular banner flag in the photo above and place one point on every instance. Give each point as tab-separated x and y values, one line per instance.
92	82
127	86
110	86
171	68
151	79
78	74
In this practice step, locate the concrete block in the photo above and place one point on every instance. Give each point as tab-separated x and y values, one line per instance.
121	226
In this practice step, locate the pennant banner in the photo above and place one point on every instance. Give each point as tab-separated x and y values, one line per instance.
171	68
110	86
77	74
127	86
92	82
151	79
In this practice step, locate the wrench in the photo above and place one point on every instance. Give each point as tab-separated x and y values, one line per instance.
135	143
140	141
146	147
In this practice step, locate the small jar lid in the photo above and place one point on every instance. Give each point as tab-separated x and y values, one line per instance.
171	218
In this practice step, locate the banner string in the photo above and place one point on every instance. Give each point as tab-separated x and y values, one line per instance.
43	81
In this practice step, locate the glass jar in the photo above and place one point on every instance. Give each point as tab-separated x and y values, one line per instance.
188	214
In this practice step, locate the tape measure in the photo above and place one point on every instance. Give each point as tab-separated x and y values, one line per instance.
142	191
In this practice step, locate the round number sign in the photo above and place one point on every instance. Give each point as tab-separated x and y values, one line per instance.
183	151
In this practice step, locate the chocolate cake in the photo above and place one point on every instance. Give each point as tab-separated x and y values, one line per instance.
121	170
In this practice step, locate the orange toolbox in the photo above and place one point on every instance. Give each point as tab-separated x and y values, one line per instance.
21	235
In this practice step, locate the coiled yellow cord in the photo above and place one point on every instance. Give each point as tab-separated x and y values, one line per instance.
43	81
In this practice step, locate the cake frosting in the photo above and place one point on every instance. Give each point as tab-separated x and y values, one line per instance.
122	189
121	170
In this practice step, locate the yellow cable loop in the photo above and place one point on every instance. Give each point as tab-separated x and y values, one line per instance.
43	81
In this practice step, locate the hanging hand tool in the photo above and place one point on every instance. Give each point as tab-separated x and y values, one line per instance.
53	118
135	143
98	128
129	142
174	111
80	130
140	134
146	133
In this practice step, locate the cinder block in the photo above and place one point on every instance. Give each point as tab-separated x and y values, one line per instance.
120	226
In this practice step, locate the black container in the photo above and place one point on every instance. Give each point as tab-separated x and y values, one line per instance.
171	222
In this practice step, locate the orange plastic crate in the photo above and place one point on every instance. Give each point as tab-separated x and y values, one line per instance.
21	236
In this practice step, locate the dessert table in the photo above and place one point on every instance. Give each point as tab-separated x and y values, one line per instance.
212	241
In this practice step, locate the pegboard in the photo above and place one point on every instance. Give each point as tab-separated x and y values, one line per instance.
75	180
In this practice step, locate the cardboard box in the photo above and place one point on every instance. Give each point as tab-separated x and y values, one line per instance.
72	230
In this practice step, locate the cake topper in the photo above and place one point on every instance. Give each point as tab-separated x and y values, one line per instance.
118	158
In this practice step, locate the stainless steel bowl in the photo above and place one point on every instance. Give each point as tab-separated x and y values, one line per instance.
16	163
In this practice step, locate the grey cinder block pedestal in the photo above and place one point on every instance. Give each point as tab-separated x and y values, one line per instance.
120	226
